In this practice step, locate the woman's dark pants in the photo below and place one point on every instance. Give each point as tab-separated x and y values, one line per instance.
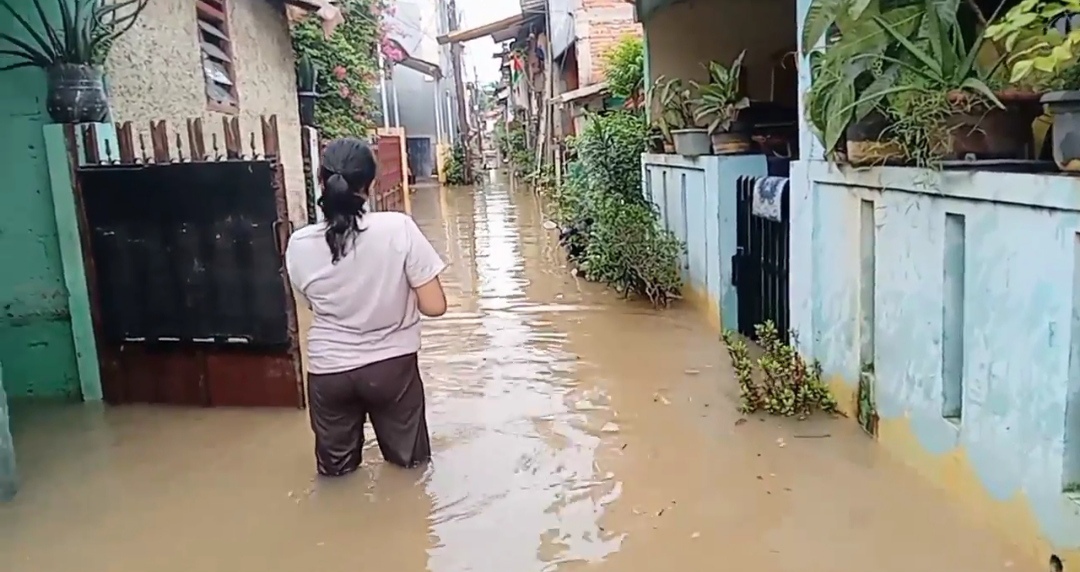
391	392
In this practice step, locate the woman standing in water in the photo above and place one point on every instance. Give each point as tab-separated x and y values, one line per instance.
368	277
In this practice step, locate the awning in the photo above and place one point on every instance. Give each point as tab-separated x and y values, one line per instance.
485	30
330	15
402	58
582	93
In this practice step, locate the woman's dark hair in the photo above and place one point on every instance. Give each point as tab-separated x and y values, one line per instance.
346	171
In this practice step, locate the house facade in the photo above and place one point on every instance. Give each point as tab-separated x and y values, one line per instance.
156	72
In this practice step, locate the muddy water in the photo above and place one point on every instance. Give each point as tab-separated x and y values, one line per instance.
572	430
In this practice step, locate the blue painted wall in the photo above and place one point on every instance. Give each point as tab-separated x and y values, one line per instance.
963	292
695	198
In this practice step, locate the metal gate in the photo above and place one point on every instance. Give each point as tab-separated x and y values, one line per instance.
389	191
183	249
760	264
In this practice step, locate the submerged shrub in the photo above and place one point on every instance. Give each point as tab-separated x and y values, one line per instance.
610	230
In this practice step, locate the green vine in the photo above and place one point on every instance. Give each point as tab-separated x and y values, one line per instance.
780	382
348	67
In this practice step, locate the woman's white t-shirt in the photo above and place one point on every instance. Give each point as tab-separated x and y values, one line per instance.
364	306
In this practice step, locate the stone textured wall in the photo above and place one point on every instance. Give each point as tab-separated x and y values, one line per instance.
600	24
155	72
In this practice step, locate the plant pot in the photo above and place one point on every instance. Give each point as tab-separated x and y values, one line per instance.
692	142
307	107
76	94
669	148
867	142
983	133
1065	106
735	141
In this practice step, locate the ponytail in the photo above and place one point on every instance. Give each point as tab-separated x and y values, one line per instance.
347	171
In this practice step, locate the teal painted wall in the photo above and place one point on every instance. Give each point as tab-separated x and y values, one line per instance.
9	480
695	198
36	345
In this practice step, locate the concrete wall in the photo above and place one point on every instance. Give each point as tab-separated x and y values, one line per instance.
36	346
9	478
155	72
962	295
695	197
685	35
600	24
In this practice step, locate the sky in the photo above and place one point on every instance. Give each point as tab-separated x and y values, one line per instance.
478	52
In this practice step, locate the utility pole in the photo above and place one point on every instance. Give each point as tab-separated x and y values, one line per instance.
463	125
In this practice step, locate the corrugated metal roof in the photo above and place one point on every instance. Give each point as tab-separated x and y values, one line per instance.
533	6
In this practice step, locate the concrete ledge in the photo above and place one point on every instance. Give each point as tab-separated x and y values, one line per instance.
1051	191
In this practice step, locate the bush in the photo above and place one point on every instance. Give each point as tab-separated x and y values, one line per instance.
610	231
455	166
624	68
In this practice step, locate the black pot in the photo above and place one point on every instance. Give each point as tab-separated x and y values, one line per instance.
307	107
1065	106
76	94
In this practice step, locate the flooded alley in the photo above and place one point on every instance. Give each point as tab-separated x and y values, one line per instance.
573	430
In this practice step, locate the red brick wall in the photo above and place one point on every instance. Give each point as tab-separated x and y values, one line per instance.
600	25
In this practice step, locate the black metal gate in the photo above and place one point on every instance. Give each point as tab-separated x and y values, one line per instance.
184	259
760	265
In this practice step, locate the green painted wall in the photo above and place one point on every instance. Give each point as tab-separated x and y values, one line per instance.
9	479
36	347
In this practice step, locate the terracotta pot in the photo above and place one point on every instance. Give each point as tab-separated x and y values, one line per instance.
982	132
669	148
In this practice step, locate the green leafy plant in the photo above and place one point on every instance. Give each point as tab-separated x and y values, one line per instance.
455	166
307	74
624	68
350	63
672	106
843	73
1032	45
780	381
721	99
83	36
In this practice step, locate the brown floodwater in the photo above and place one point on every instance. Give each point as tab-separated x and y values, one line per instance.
573	430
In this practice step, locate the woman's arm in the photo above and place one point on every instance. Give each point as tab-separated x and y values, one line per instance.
430	298
422	268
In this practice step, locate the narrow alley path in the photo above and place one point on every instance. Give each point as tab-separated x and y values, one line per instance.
573	430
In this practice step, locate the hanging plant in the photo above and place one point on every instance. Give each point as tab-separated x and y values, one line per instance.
345	106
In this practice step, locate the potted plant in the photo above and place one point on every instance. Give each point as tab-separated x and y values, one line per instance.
307	76
843	105
941	102
676	118
1042	52
666	110
72	52
720	102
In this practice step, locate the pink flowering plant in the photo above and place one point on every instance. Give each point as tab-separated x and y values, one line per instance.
349	60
